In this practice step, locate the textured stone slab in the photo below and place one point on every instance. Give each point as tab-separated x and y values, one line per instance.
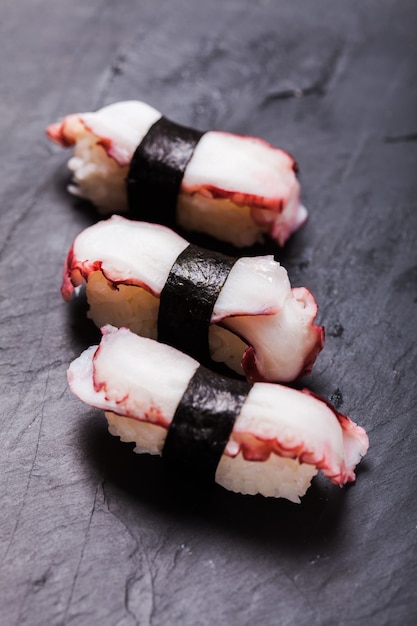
89	532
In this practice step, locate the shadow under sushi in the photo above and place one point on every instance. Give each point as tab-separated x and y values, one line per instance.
84	332
140	480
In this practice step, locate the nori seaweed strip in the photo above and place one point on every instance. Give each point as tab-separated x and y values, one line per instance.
202	425
157	169
188	298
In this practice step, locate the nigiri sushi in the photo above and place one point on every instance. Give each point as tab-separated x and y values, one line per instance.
262	438
237	311
127	156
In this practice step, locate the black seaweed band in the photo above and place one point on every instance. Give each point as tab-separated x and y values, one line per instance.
157	169
202	424
188	298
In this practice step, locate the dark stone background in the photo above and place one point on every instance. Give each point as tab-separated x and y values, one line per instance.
89	532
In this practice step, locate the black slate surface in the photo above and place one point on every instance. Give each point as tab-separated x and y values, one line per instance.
89	532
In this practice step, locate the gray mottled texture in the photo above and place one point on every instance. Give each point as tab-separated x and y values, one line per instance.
89	532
